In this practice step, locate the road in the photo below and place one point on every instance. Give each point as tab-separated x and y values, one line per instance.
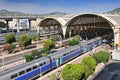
74	61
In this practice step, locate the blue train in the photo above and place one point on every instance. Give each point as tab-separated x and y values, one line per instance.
42	65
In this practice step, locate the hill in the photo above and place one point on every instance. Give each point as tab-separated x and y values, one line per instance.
11	13
114	11
16	13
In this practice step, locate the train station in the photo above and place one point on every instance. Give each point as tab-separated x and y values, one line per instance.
86	25
93	29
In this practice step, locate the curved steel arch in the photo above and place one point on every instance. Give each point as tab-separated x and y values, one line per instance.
106	19
54	22
59	20
109	20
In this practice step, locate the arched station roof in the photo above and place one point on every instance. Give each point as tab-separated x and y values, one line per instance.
53	21
65	20
114	20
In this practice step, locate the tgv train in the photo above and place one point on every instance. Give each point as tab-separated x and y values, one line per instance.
40	66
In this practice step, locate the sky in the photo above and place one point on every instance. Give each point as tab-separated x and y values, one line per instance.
67	6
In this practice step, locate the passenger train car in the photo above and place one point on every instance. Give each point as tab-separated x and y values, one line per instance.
42	65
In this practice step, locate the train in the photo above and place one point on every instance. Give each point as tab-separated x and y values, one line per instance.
39	67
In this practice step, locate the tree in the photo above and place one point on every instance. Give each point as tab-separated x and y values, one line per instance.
74	41
45	50
77	38
35	37
10	38
24	40
9	47
34	54
101	56
52	39
89	64
2	24
88	71
28	58
12	47
72	72
49	44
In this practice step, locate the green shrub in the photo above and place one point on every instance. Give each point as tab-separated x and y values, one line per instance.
52	39
77	38
34	54
49	44
101	56
28	58
88	71
74	41
24	40
12	46
72	72
45	50
34	38
9	47
90	62
10	38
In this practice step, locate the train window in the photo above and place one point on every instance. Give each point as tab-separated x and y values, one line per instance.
13	76
41	64
34	67
64	54
44	63
22	72
53	58
29	69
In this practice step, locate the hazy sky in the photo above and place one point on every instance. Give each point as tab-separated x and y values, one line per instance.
68	6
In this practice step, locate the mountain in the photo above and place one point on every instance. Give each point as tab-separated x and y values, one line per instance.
57	13
53	14
11	13
16	13
114	11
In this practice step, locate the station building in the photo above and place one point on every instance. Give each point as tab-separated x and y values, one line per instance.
86	25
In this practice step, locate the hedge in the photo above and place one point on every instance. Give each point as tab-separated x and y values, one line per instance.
101	56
